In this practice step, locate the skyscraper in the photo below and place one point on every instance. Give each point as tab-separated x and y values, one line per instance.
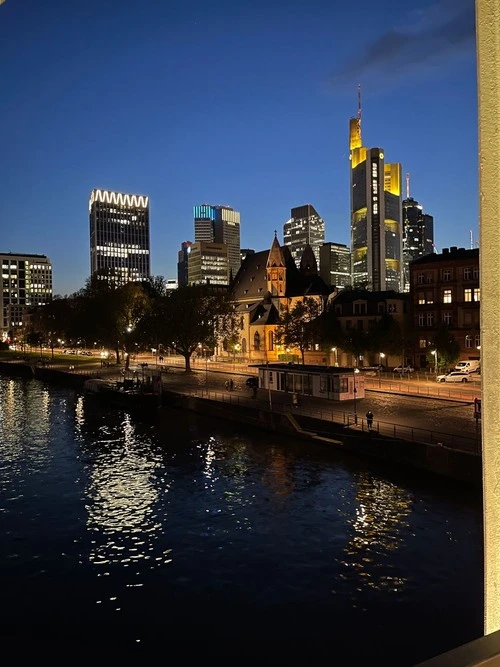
26	280
305	227
208	264
335	264
418	234
376	229
119	237
182	263
219	224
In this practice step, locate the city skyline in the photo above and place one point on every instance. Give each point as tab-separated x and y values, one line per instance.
67	128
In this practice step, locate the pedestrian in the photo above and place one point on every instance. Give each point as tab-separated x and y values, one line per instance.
226	384
369	419
231	385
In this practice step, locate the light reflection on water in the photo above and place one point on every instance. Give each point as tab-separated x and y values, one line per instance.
190	522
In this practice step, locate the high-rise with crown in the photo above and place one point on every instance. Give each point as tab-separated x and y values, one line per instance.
418	233
119	237
376	229
304	228
219	224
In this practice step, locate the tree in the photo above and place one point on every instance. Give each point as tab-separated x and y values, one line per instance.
296	326
187	317
447	349
386	335
356	342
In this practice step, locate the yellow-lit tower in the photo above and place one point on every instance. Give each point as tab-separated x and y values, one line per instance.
376	230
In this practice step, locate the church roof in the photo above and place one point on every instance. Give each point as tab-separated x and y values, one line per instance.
250	282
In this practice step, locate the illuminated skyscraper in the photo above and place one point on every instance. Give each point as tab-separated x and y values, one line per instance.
376	230
119	237
335	264
305	227
208	264
26	280
418	235
219	224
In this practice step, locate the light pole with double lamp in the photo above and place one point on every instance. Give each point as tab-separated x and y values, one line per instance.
355	371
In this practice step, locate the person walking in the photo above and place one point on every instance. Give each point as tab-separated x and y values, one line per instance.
369	419
231	385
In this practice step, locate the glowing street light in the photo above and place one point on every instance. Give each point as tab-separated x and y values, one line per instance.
435	355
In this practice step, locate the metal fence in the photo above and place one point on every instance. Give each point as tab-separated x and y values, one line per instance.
347	419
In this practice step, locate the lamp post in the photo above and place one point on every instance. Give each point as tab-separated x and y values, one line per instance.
336	363
236	348
355	371
435	355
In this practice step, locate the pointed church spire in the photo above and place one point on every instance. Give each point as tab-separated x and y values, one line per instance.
276	271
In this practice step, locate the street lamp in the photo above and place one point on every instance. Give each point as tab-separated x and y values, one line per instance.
334	349
435	355
355	371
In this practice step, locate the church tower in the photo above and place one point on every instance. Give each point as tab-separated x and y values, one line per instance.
276	270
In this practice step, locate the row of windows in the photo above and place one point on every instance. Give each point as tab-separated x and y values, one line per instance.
468	273
361	308
470	294
470	341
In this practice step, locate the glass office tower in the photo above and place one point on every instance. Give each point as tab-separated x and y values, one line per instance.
119	237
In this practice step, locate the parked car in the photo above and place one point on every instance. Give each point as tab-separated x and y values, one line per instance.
403	369
454	376
252	382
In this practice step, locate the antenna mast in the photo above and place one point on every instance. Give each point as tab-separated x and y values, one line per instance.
359	102
471	240
407	185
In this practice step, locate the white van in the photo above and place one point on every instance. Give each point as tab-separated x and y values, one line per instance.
469	366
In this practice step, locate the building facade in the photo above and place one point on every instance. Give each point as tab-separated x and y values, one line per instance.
26	280
360	310
418	236
219	224
267	284
444	290
305	227
208	263
376	215
335	264
119	237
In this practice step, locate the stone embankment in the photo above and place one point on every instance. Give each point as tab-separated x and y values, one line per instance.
436	458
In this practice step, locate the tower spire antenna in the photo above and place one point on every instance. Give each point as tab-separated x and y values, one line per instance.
359	102
407	185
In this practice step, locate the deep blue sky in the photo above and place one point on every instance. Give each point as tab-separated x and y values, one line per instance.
242	102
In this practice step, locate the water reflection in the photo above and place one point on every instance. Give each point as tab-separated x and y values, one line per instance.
378	524
121	496
26	412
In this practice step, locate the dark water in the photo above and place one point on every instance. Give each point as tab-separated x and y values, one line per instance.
190	538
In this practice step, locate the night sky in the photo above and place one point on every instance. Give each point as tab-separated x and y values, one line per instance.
243	103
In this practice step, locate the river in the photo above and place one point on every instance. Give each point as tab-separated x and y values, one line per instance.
183	534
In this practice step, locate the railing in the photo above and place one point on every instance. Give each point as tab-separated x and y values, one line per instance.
347	419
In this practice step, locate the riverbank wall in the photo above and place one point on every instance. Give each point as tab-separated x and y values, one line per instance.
434	458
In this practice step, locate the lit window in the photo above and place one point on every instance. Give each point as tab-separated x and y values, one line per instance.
447	296
477	294
467	294
421	298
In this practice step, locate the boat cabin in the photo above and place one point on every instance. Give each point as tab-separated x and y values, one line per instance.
327	382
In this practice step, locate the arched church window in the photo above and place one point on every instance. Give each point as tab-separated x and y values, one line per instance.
256	341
